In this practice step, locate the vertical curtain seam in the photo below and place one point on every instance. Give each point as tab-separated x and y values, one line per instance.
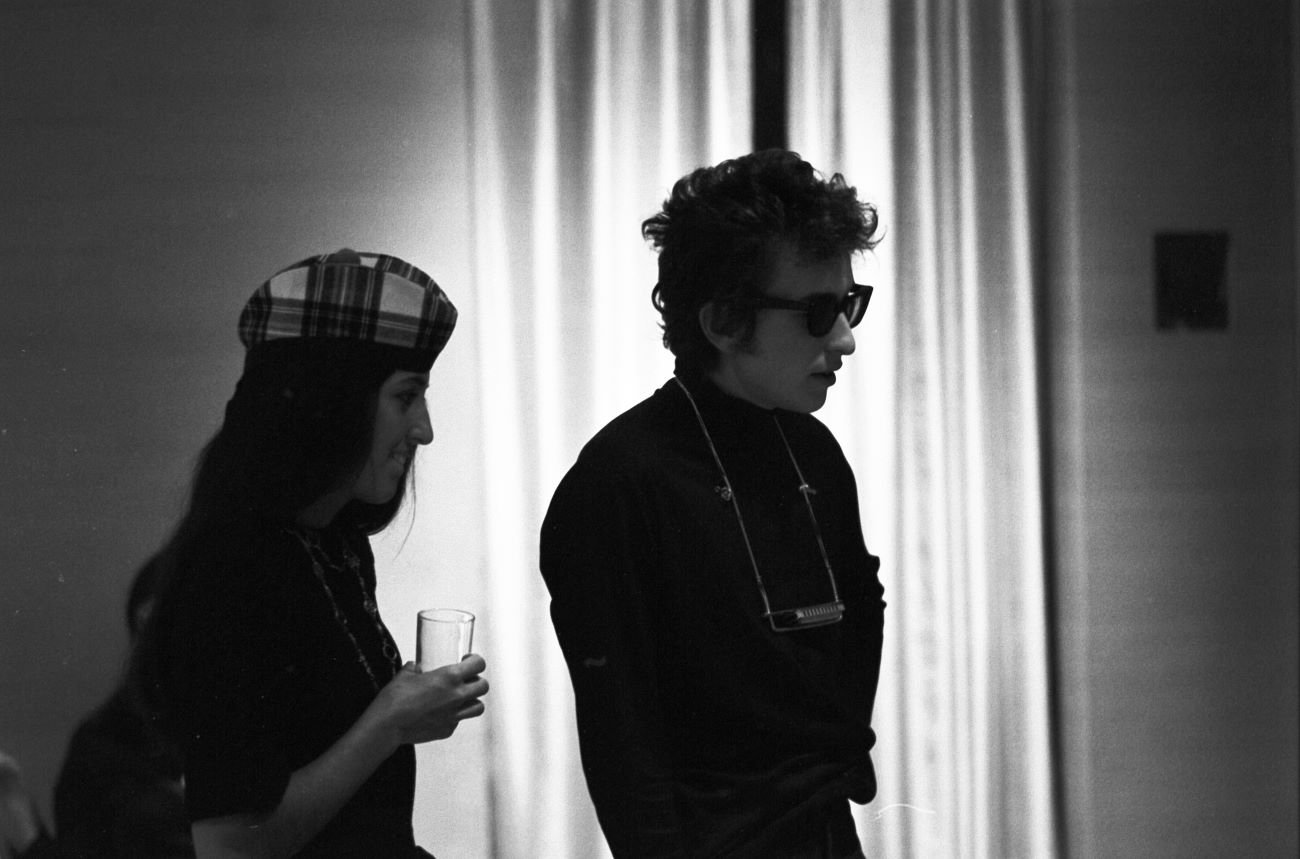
1036	37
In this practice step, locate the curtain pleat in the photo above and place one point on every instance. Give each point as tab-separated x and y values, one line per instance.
934	94
582	114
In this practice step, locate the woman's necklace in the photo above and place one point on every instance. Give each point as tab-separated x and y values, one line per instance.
319	560
782	620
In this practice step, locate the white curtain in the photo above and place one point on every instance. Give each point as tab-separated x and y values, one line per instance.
582	114
926	106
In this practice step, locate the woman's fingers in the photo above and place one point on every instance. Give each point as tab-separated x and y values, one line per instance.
471	710
471	665
476	688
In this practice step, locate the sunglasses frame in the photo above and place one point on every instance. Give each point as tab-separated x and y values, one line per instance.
859	294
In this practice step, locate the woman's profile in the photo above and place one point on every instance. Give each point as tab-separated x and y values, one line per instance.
265	658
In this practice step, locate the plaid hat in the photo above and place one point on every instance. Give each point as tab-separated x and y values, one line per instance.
351	296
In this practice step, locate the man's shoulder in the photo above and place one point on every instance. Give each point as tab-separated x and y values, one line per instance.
630	440
809	428
630	453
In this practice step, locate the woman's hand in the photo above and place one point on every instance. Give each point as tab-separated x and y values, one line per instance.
422	706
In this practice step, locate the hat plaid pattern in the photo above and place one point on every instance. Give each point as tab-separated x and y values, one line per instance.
354	296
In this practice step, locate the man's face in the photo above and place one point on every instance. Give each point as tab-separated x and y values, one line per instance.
782	365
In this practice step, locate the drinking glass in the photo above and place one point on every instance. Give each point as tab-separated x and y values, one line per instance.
443	637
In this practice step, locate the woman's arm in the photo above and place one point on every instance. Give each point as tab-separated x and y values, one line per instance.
413	707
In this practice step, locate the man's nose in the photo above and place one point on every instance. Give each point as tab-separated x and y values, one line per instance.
840	338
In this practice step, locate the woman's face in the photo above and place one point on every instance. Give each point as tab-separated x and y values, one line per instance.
401	424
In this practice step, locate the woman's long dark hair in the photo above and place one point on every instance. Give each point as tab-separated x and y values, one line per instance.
298	427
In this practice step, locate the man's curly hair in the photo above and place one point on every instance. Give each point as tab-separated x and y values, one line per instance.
719	230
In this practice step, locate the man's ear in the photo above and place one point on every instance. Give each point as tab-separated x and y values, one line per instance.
709	319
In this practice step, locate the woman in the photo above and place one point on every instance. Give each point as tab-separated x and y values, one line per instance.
265	656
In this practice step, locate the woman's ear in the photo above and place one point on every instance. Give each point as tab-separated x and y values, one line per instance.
709	319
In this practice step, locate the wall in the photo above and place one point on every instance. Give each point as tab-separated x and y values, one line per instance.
1176	451
160	161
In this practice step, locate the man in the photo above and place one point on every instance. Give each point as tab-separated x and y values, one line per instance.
719	613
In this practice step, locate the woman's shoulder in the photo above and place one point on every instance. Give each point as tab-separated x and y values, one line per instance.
237	559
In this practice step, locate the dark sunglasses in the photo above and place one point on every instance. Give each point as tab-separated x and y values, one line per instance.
823	309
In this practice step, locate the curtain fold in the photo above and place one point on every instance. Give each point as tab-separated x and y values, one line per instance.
582	114
935	93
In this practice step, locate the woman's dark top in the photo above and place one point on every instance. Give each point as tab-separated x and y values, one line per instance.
267	679
703	732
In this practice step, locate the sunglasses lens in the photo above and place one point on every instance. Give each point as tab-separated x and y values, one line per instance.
855	308
821	314
825	309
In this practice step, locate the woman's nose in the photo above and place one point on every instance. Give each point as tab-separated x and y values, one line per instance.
422	429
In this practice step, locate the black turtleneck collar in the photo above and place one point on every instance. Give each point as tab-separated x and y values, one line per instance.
712	400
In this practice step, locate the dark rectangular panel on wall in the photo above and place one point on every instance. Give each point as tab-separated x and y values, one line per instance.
1191	287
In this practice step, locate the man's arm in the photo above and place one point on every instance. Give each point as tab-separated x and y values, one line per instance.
596	556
